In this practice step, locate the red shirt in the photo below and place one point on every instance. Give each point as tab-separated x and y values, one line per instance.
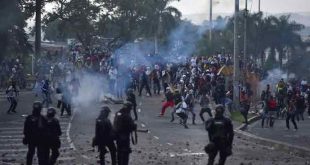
272	104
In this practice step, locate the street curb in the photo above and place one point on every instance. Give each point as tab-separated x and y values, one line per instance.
292	149
251	120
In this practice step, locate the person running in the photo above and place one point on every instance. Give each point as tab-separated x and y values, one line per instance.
300	106
12	93
272	110
245	105
168	103
190	101
204	103
291	115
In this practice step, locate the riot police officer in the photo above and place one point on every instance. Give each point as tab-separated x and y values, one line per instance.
123	127
221	134
34	131
53	131
131	97
104	136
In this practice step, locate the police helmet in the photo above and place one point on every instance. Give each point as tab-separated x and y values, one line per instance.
127	104
51	112
105	109
130	90
219	109
37	107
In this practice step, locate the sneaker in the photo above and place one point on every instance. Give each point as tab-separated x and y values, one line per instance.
160	115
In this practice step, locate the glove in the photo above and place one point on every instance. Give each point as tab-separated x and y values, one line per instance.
94	142
25	141
210	148
228	151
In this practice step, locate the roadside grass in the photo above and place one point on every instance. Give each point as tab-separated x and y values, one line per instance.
236	116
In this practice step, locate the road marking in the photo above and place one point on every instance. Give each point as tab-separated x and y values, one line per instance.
68	158
186	154
85	157
156	137
21	123
15	136
11	145
68	133
26	149
170	144
20	139
11	132
139	110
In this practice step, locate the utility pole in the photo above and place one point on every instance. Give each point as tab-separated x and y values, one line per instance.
236	58
245	34
259	6
38	28
211	21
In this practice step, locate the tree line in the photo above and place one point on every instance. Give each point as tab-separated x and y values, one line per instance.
125	21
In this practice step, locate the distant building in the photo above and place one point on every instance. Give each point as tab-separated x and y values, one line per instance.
50	47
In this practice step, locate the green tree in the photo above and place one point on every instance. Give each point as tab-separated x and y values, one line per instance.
12	22
76	18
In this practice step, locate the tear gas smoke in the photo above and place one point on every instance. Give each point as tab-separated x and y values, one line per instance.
181	44
92	88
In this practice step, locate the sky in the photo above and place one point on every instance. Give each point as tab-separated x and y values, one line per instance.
188	7
197	10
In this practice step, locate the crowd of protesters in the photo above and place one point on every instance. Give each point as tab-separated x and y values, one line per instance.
289	101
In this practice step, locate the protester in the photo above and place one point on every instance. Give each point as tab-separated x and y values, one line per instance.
12	94
168	103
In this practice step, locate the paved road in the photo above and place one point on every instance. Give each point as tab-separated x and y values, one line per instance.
169	143
12	151
166	143
280	132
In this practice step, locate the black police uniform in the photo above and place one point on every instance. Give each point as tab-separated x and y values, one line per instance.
220	130
53	130
132	99
123	126
104	138
34	132
66	102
